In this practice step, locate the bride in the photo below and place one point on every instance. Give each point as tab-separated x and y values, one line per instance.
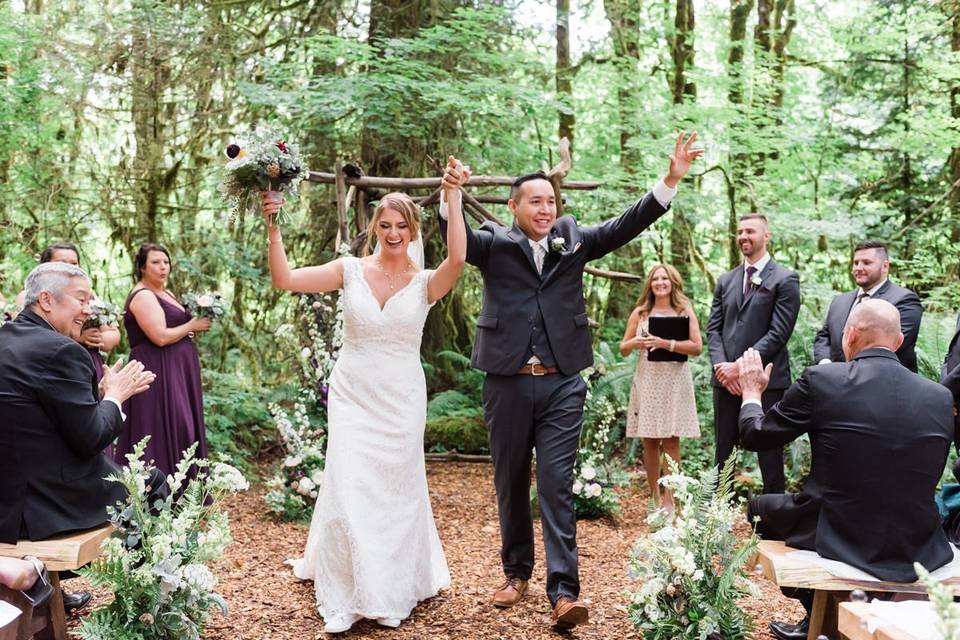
373	549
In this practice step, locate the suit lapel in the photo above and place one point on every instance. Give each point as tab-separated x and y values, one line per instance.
518	236
738	286
764	276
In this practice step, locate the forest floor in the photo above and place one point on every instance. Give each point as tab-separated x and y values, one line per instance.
267	602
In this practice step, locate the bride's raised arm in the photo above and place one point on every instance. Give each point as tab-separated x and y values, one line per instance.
445	275
325	277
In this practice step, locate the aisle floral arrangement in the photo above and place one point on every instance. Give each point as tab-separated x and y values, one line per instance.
314	345
157	565
691	567
263	160
597	475
941	599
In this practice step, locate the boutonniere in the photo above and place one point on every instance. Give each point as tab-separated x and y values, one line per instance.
756	280
558	244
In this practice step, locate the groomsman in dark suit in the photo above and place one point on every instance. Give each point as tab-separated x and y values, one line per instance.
950	378
754	306
871	264
879	438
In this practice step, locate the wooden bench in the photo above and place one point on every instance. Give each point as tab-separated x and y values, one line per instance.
828	590
853	619
62	553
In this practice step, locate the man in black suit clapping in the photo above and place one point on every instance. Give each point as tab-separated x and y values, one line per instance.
879	436
754	306
53	424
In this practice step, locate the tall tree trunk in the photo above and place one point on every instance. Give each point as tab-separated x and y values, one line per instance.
953	12
740	157
682	90
563	72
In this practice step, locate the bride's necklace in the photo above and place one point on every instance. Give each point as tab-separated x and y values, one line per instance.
392	277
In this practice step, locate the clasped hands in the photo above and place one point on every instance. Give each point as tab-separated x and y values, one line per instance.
649	342
747	377
455	175
122	382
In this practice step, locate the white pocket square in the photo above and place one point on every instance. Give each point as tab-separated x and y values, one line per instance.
576	247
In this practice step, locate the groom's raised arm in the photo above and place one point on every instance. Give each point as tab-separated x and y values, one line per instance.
478	241
603	238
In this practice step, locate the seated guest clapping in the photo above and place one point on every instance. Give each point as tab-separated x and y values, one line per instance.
53	425
879	436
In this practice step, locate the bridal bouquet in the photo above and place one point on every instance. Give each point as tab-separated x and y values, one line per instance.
156	565
261	161
205	305
101	313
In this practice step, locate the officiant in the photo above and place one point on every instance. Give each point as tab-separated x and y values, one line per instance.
664	329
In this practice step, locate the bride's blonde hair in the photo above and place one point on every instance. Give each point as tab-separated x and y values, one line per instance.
405	206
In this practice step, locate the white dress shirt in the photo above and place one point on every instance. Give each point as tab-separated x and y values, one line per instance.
760	265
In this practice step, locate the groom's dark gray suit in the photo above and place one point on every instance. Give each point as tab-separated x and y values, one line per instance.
526	313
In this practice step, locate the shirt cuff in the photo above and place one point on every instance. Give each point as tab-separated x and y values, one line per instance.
123	416
443	203
825	361
663	194
751	401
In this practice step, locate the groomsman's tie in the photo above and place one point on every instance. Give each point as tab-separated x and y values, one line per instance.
863	295
539	253
747	285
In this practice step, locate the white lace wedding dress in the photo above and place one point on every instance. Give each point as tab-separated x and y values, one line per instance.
373	549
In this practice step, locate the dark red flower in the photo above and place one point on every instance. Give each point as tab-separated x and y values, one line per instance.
233	151
282	146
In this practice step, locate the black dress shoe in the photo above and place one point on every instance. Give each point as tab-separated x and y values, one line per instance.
75	601
787	631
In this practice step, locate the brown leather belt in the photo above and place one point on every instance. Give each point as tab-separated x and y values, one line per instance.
536	369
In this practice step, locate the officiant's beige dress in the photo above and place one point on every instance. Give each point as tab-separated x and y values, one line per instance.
662	404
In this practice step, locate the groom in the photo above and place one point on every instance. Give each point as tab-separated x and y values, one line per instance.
533	339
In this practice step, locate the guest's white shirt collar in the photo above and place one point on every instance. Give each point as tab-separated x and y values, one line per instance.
875	288
760	264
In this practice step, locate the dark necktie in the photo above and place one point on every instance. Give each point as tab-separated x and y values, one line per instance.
747	285
863	295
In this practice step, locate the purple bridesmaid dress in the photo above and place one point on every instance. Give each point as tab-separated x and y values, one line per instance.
171	411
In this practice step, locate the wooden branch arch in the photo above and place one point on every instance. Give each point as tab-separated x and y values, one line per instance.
356	190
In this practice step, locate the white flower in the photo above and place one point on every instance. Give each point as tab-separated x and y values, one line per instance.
292	461
199	577
594	490
227	477
577	487
588	472
317	304
206	300
305	353
306	486
317	477
557	244
756	280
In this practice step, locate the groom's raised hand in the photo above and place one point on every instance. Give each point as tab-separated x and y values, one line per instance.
681	159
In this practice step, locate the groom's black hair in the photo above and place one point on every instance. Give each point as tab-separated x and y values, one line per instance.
515	187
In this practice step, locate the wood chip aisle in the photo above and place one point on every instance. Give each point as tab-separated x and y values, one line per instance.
267	602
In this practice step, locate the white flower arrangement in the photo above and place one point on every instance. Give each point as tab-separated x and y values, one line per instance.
595	478
156	565
691	567
297	481
558	244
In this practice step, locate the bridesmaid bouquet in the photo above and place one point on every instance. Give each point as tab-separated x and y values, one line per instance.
205	305
101	313
261	161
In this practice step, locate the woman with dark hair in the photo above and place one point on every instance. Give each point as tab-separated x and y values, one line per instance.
161	333
662	406
97	340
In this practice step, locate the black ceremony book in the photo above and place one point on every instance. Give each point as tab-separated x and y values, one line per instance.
669	328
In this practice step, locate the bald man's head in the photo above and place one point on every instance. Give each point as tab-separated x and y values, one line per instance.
872	323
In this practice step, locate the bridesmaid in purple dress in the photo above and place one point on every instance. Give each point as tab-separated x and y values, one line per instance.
97	340
161	336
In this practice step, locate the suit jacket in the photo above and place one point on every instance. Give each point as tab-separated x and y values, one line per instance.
514	294
950	378
829	340
52	431
763	320
879	437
